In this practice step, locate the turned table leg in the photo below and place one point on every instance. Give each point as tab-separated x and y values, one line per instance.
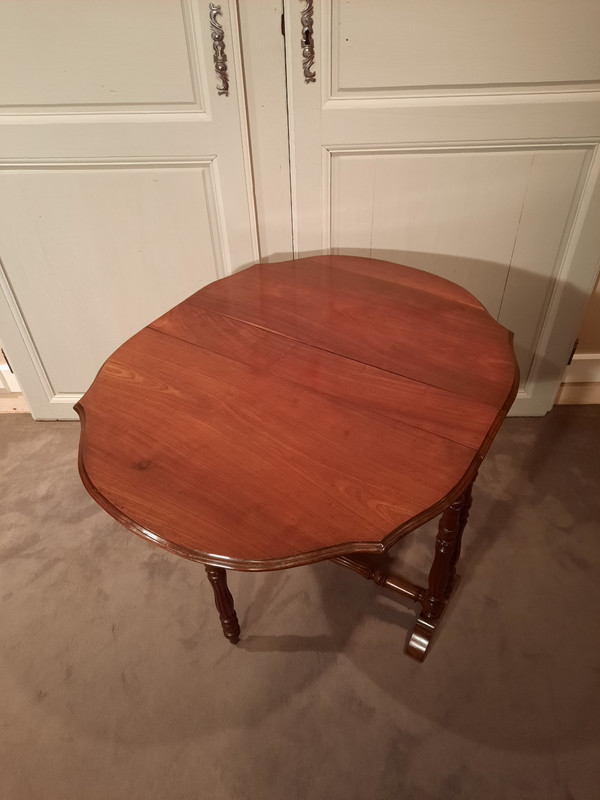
224	603
464	516
442	575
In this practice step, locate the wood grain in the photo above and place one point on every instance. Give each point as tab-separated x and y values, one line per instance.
244	429
431	331
344	379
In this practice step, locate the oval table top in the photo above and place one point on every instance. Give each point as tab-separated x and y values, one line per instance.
298	411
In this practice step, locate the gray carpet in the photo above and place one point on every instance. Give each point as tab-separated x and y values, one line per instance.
116	682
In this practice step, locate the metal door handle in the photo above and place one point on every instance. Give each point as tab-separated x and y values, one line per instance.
308	43
219	57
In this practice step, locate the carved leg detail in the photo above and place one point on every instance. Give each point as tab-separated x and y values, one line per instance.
441	575
224	603
464	516
445	548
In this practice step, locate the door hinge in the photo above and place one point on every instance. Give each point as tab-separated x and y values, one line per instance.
570	361
282	25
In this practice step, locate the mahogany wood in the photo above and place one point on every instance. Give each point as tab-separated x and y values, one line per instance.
331	303
342	379
382	577
224	603
442	570
445	548
296	412
464	516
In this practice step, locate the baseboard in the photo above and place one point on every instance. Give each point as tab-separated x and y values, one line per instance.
581	384
585	368
578	394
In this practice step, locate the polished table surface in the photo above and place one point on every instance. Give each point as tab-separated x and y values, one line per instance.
296	412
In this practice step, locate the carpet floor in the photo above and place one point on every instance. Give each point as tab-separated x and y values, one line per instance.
116	682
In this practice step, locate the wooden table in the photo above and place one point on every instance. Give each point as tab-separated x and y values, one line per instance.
314	409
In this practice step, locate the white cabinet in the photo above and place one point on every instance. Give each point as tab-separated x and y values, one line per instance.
459	138
125	179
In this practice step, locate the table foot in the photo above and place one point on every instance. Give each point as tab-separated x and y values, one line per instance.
420	639
224	603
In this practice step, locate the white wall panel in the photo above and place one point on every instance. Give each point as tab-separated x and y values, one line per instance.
94	253
463	46
82	54
460	137
125	177
493	220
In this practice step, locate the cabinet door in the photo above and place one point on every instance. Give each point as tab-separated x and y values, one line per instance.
460	138
125	180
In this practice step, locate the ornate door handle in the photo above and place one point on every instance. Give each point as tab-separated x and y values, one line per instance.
308	43
219	57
